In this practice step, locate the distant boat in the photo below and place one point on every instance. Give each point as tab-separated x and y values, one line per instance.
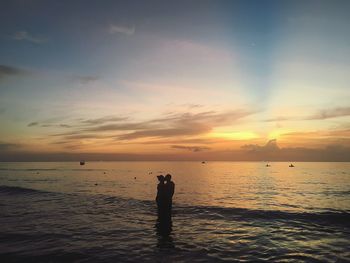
291	165
267	165
203	162
82	162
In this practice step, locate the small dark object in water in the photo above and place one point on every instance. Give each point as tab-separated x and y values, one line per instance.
104	172
82	162
96	184
150	173
37	173
291	165
135	177
267	165
203	162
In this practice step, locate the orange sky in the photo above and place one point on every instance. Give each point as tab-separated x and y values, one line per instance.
216	81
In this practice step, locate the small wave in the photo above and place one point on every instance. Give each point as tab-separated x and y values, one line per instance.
4	189
211	212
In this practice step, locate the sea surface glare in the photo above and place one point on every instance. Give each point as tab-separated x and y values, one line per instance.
223	211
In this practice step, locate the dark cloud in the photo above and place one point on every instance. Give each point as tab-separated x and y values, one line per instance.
33	124
86	79
330	113
269	147
10	71
333	152
272	152
8	146
191	148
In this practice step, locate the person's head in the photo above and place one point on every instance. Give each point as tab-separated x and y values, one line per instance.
168	177
161	178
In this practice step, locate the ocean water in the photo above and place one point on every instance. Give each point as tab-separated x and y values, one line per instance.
223	211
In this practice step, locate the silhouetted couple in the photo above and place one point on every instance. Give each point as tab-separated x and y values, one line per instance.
165	192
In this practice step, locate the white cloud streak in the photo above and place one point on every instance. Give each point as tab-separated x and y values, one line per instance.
117	29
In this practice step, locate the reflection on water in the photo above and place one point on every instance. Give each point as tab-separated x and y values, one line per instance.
307	186
163	231
222	211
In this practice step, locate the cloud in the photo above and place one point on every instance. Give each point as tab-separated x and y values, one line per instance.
330	113
186	124
268	147
8	71
191	148
33	124
169	127
86	79
272	152
103	120
320	115
24	35
166	133
8	146
118	29
64	126
278	119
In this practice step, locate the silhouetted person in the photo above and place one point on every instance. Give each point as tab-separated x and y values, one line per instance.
169	191
164	223
161	195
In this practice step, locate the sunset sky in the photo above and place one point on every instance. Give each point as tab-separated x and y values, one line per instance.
175	80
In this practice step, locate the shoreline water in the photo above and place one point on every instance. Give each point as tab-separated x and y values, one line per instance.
254	214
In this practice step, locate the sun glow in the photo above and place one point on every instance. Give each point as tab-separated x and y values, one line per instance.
246	135
276	134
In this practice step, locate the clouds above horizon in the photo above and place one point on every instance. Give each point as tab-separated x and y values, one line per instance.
191	148
171	125
180	77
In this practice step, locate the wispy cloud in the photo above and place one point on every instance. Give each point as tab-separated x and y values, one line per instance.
320	115
176	125
33	124
330	113
277	119
190	148
24	35
119	29
102	120
9	71
85	79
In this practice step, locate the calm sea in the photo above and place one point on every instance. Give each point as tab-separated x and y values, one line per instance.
223	211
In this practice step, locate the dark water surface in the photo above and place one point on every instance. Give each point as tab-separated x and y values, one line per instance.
55	212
